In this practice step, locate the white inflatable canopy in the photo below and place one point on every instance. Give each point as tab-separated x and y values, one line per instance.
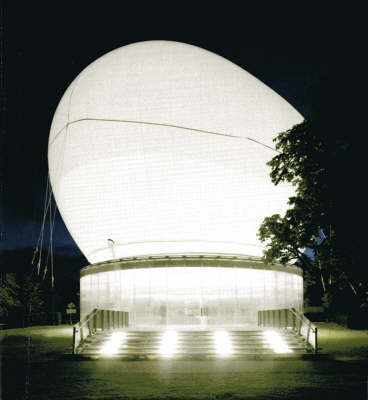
161	147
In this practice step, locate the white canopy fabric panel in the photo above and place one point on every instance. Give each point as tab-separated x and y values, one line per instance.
162	147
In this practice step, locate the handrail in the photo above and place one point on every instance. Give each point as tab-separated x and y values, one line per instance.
289	317
97	319
86	318
305	323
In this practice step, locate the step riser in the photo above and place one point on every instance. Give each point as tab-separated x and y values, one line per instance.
193	343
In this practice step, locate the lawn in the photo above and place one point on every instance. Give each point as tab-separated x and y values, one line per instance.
32	369
36	342
342	343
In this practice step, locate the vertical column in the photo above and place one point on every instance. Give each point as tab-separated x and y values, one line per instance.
105	320
108	319
283	314
94	323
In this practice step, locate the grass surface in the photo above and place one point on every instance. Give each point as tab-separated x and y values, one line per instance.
36	342
342	343
32	369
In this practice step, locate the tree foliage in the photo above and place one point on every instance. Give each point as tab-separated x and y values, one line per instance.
9	293
33	297
22	294
321	157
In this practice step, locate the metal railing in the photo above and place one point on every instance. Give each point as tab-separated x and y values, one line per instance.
97	320
290	318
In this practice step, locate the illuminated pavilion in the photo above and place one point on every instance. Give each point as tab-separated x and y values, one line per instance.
157	159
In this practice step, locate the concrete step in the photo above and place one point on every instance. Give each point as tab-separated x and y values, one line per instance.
193	343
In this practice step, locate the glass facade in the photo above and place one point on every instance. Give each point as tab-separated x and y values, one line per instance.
191	296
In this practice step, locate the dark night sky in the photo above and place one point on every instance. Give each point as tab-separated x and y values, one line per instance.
45	47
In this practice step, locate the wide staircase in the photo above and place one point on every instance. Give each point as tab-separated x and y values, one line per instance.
280	333
189	344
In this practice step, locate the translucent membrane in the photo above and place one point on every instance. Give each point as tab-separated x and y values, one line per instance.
162	148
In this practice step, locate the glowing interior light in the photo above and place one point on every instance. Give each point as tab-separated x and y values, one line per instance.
111	347
176	295
169	343
223	343
276	342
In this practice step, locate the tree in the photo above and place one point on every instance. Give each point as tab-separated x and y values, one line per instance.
9	293
33	297
321	158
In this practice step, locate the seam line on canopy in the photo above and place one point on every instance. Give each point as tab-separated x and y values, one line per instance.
160	124
174	241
